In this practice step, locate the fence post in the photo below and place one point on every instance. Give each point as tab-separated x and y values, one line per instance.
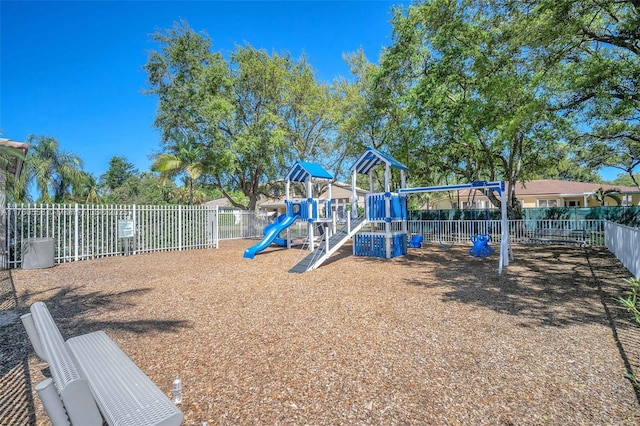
134	213
217	231
76	237
179	228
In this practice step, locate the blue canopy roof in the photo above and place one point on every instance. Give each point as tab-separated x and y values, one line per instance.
372	157
301	170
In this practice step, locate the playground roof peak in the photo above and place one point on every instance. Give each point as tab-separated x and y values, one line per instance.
302	170
371	158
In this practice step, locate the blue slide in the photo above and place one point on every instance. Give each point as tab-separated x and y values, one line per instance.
271	233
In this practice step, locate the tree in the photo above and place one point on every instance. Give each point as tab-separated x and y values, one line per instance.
375	116
601	194
591	52
625	180
87	191
53	172
252	115
474	91
147	189
186	159
119	171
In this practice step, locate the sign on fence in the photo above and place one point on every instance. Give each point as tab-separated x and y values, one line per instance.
125	229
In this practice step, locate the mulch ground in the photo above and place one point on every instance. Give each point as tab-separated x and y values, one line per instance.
435	337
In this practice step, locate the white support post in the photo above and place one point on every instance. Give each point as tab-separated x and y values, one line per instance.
329	212
354	196
310	234
367	204
504	243
286	190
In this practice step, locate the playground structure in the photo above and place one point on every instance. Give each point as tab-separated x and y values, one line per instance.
311	210
385	215
386	212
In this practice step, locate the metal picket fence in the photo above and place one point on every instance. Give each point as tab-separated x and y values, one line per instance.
91	231
520	231
84	231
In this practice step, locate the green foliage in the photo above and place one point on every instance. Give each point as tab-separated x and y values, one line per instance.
147	189
119	171
591	52
630	303
626	180
88	191
474	91
187	158
53	172
251	115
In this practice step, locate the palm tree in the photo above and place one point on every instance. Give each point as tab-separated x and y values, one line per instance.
187	158
54	172
600	194
87	191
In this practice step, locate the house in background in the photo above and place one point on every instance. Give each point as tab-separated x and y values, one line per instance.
541	193
340	192
222	203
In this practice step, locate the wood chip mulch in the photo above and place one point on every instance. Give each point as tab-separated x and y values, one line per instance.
436	337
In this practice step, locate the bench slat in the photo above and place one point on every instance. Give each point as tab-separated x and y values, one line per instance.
125	395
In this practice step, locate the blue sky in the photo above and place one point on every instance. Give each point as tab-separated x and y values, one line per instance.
74	70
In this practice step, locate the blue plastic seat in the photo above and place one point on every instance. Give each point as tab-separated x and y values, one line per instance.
416	241
481	247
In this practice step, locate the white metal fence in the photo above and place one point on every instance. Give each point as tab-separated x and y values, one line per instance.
520	231
92	231
624	243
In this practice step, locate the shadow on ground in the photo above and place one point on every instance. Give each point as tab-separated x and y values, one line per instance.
16	403
548	286
71	312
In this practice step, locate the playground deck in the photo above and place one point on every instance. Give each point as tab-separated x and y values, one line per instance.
436	337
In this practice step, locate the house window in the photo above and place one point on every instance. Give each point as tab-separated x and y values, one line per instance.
478	204
547	203
572	203
627	200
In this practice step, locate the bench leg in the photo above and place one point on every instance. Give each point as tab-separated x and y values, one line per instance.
51	402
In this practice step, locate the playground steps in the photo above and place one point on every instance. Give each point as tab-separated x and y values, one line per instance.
320	254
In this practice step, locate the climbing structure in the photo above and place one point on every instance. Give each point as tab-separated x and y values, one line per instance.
386	211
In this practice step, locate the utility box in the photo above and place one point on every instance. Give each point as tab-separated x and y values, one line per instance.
38	253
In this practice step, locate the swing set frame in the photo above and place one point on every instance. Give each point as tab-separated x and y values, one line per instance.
500	188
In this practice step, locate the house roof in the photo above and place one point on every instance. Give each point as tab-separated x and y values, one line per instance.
302	170
371	158
220	202
563	187
341	190
15	163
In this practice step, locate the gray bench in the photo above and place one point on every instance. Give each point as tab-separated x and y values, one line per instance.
560	236
92	379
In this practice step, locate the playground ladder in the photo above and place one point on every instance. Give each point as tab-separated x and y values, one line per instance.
320	254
